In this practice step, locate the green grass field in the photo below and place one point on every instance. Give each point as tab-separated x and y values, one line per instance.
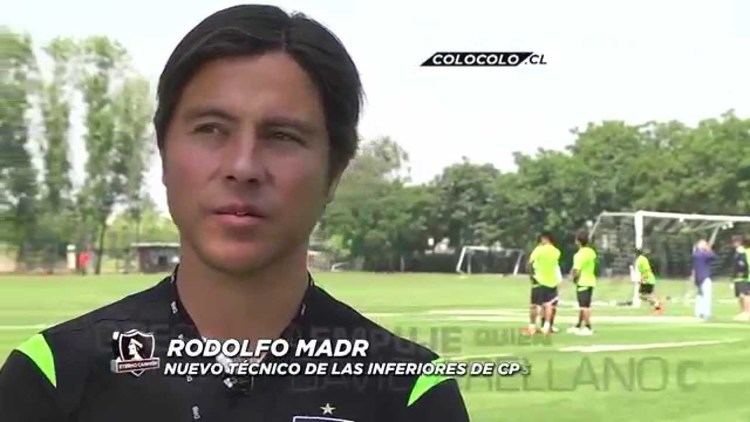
680	370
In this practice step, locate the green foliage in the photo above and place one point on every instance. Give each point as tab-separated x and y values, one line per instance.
610	166
375	217
56	212
18	184
117	117
43	219
55	107
147	226
463	195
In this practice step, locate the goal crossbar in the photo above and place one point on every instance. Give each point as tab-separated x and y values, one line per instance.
466	249
709	221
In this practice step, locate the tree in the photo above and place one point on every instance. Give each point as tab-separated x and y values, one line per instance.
134	109
412	214
462	193
154	227
704	169
56	100
506	211
18	184
611	155
116	122
369	208
56	212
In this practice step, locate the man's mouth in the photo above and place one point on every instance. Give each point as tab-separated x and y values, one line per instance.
241	210
237	213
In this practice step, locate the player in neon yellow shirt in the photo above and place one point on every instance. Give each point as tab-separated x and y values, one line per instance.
544	269
647	281
740	277
584	277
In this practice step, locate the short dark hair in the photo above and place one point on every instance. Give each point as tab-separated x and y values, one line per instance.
738	238
248	30
583	238
548	235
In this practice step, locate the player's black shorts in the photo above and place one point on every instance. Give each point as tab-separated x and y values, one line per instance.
584	294
741	288
542	294
646	289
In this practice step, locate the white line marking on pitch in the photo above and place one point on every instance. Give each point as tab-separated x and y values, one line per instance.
500	311
486	355
726	325
519	315
23	327
644	319
383	314
644	346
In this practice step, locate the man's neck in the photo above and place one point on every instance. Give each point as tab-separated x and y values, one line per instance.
253	306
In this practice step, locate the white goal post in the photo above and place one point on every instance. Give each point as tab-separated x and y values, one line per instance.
688	222
466	252
645	222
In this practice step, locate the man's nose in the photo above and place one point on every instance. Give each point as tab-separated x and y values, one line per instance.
243	159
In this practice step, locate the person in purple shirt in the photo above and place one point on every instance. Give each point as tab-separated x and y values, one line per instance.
703	257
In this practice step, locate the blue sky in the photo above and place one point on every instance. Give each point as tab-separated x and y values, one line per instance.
628	60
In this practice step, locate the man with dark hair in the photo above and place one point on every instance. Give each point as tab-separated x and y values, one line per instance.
740	265
584	277
256	121
703	258
544	269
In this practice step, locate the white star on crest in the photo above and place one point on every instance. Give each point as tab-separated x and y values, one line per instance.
327	409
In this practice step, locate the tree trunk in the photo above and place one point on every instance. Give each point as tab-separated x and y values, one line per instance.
50	258
138	229
21	256
100	248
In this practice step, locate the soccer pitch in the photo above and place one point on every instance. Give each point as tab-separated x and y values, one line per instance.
662	368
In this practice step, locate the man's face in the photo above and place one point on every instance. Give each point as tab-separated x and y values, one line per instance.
245	162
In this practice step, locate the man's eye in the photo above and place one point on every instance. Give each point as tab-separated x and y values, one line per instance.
284	136
209	129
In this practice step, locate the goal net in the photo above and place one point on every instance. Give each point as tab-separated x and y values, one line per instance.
489	259
667	239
